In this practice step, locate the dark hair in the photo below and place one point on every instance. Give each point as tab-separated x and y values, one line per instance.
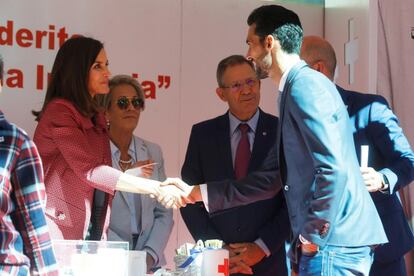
1	68
228	62
70	74
283	24
104	100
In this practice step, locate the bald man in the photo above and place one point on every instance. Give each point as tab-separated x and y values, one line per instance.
390	164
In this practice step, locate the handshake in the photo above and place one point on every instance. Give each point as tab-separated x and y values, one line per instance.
175	193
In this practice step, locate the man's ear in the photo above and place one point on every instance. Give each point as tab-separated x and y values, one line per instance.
319	66
269	42
220	94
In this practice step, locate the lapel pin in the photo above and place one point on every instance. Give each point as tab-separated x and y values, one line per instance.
264	133
1	139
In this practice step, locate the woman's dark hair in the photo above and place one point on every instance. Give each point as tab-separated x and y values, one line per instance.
70	74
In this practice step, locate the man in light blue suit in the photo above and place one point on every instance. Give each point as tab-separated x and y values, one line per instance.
326	196
391	160
334	221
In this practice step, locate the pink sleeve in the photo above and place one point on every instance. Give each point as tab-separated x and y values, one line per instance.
84	147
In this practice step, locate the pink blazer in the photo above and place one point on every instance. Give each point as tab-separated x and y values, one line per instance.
76	160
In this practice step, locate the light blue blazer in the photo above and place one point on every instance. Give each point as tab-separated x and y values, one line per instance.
155	220
325	193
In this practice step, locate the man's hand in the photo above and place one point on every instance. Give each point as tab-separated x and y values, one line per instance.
243	256
175	193
171	197
241	267
374	181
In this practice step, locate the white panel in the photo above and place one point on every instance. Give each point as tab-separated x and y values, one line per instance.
337	16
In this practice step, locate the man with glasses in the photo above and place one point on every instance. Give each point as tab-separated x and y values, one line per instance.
230	147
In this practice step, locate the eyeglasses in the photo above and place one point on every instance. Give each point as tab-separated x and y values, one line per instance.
238	86
123	103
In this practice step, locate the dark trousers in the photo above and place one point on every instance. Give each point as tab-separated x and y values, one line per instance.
395	268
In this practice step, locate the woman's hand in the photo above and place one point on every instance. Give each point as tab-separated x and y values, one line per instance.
146	166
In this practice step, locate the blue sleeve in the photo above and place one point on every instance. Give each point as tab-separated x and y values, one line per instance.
390	141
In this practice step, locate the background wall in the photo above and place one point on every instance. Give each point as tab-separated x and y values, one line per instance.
337	31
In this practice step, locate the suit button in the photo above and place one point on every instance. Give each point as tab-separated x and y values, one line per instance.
61	216
286	188
238	229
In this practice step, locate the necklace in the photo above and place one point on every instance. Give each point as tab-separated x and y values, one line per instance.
125	165
125	162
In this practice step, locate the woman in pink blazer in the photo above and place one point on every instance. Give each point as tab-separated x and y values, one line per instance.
73	142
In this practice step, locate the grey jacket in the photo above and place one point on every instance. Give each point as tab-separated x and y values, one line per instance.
155	220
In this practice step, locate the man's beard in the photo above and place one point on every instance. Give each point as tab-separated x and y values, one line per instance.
261	73
263	66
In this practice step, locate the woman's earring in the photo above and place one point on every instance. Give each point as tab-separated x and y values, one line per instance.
107	123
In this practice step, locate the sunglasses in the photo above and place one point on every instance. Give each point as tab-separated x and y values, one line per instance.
123	103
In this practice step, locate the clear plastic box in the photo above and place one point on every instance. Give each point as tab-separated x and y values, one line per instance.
86	258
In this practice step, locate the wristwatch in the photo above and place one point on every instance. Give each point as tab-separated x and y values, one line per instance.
385	184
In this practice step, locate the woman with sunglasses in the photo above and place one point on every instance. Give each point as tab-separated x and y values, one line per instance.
140	220
74	145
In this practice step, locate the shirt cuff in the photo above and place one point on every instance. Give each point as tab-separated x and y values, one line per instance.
204	195
259	242
386	188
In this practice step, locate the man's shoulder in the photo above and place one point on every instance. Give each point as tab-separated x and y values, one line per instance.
12	130
303	70
303	77
268	117
362	98
210	123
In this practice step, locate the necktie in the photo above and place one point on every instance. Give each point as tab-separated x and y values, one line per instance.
241	162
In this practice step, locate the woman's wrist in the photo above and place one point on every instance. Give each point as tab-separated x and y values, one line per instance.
133	184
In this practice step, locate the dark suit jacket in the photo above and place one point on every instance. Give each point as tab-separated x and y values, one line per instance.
325	193
374	124
208	159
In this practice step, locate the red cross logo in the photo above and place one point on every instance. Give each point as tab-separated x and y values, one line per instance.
224	268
